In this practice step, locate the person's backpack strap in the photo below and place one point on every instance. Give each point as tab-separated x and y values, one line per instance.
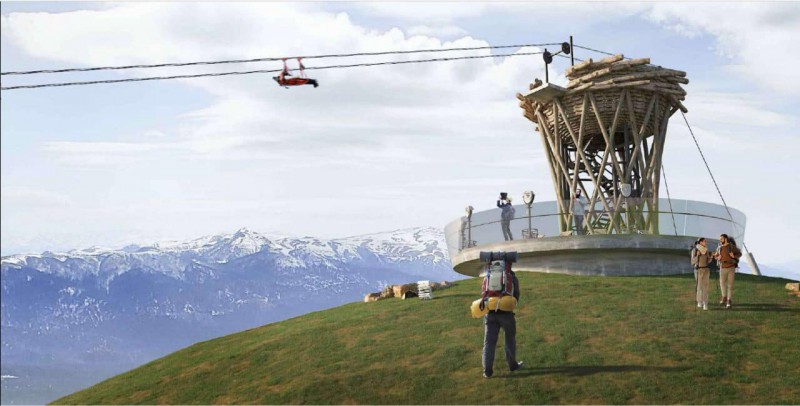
508	286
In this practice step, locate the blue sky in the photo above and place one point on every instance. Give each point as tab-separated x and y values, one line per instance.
372	149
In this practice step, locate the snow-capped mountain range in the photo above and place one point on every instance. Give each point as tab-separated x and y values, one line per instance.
171	258
122	307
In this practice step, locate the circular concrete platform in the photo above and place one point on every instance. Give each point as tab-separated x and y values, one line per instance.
610	255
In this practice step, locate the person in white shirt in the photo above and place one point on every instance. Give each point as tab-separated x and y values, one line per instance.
578	209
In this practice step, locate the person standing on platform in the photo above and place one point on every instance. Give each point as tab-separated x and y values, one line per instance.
578	209
506	215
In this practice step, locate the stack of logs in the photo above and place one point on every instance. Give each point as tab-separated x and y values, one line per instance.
794	288
615	72
400	291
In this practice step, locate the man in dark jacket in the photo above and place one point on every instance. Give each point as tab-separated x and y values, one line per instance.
506	215
727	255
493	322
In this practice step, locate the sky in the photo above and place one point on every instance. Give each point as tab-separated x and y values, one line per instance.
371	149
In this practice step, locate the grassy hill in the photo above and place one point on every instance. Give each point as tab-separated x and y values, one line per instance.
583	339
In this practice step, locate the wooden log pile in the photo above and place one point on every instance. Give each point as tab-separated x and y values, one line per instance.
616	72
611	74
794	288
422	289
529	106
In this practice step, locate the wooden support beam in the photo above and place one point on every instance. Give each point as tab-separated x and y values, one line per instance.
647	115
602	126
550	139
580	151
553	175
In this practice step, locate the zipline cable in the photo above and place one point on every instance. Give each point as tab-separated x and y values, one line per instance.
592	49
711	174
97	82
669	199
163	65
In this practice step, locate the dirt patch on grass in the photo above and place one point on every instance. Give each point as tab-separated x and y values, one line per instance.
138	396
199	368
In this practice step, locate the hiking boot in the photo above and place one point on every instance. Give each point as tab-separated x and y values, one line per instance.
729	305
724	300
519	366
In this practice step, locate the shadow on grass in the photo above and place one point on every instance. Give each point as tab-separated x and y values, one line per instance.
591	370
757	307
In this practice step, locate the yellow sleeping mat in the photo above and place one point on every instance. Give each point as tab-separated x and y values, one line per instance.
505	303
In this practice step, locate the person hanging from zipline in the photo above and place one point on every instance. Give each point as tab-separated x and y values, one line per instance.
285	81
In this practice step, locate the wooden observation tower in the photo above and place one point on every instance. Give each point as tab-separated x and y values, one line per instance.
604	134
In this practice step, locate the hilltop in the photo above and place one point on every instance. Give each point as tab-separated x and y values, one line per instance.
616	340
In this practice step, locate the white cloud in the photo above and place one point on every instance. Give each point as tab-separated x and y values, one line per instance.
758	37
32	197
385	138
361	108
154	134
447	31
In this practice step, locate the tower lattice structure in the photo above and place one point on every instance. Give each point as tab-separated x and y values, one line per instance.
604	134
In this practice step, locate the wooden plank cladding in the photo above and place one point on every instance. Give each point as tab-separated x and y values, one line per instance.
606	79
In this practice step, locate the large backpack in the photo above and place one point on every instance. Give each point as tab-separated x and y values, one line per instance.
735	250
498	280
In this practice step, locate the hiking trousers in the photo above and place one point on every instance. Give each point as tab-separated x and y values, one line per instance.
493	322
506	226
702	285
726	276
578	224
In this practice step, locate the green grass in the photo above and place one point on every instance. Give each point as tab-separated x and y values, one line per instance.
638	340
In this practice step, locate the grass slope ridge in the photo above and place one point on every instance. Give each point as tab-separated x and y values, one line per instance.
583	339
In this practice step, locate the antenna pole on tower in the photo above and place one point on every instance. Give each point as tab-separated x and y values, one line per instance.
572	52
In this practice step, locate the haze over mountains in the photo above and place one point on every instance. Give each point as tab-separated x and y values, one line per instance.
110	309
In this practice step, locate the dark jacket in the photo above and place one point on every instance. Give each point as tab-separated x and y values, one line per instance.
508	211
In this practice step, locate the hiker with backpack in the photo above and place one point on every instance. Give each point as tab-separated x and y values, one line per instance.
506	215
701	261
500	294
727	256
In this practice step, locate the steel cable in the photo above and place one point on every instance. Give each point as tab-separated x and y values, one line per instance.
149	78
270	59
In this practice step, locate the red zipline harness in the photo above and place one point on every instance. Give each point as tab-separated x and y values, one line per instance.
298	81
